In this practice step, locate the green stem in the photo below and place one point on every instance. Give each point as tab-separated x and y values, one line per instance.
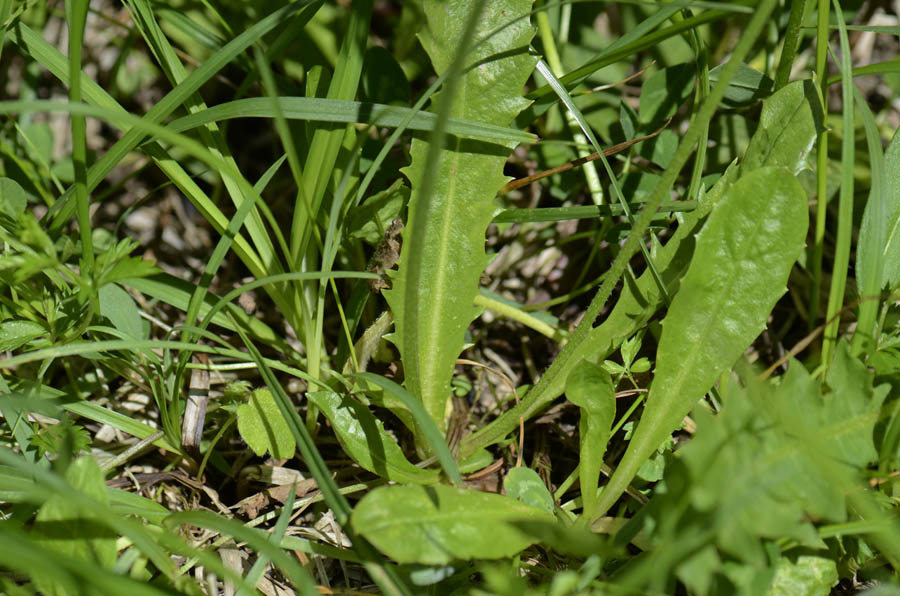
821	165
789	49
516	314
845	204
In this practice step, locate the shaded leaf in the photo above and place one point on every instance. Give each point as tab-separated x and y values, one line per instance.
747	86
13	199
69	529
370	220
15	334
383	81
664	91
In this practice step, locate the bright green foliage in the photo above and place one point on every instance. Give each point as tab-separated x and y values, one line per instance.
785	136
524	485
452	201
807	576
263	427
741	263
591	389
778	456
434	525
363	438
69	529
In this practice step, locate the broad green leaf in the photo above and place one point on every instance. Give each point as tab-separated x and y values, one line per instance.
807	576
117	306
362	437
786	133
433	525
263	427
664	92
71	530
453	187
524	485
787	129
590	388
741	264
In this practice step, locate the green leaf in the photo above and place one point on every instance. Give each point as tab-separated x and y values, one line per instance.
524	485
742	260
434	525
747	86
362	437
664	91
427	428
69	529
785	136
15	334
117	306
453	187
263	427
590	388
13	199
807	576
788	125
383	80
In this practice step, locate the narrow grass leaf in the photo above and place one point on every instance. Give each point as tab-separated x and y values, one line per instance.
845	202
873	234
318	109
258	540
